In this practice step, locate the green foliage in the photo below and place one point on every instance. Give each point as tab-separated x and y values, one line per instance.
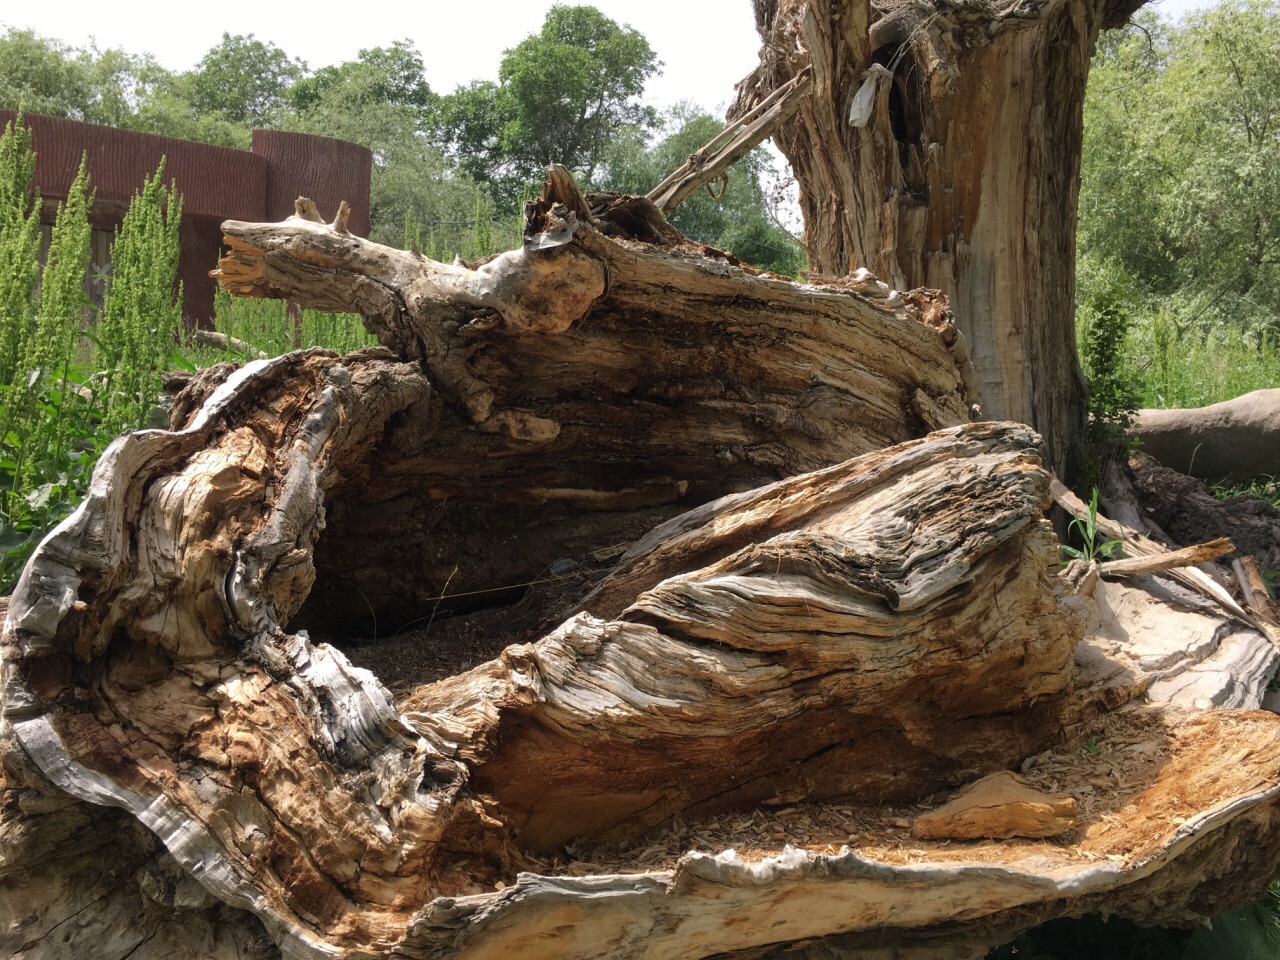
1104	318
142	312
1194	368
1180	176
1179	233
49	436
412	232
1091	547
383	75
68	387
268	326
244	80
481	231
19	247
563	94
380	101
46	76
1250	933
48	381
449	173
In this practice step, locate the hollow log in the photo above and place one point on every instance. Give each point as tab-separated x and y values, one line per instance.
837	603
586	387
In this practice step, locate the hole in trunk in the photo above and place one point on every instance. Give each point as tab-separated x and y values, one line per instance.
906	118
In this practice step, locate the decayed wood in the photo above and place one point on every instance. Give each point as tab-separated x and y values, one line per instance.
827	655
759	627
832	636
606	382
304	798
1181	505
1254	588
999	806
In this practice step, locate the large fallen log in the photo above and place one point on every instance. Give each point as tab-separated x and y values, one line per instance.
1236	441
600	379
816	653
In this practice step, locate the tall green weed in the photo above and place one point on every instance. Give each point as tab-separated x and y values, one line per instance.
68	386
19	246
49	433
142	310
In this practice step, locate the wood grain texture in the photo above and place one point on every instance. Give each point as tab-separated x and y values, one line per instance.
965	179
587	378
864	633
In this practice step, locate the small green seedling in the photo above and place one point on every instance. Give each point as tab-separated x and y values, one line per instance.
1087	529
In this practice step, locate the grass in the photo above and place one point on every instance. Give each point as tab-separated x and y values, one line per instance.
267	326
1195	370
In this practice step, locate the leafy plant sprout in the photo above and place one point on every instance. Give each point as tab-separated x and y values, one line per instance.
1086	528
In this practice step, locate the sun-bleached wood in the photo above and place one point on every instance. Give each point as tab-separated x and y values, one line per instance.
837	650
964	179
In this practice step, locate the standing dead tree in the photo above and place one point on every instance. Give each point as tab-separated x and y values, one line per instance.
965	178
848	603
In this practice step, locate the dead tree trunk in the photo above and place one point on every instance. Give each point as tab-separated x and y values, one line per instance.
847	604
964	177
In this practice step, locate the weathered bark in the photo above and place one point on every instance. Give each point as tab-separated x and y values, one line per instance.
966	177
795	670
1181	506
587	388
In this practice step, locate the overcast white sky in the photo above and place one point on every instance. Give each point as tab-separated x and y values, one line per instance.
706	45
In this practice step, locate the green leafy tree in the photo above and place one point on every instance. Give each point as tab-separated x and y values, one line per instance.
1181	165
393	75
379	101
109	87
244	80
43	76
47	76
563	94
